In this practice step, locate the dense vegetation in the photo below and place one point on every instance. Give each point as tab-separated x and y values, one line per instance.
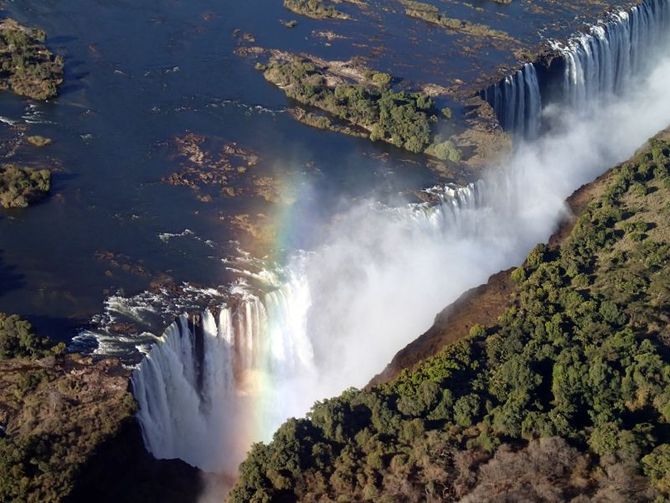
568	394
17	340
432	14
67	430
316	9
322	121
400	118
27	67
21	186
55	413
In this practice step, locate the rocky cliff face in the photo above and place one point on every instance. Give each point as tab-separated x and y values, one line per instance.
482	305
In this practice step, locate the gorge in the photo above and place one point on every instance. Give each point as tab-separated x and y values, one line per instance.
332	317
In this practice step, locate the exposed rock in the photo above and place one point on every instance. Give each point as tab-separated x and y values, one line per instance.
480	305
38	141
316	9
122	262
207	165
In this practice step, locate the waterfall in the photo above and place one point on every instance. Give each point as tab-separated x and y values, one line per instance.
207	373
211	384
591	68
517	102
605	61
332	317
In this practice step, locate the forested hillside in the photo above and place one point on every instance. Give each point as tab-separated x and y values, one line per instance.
566	397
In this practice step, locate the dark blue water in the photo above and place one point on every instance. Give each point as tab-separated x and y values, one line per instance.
140	73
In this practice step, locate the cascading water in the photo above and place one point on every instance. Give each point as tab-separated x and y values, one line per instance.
246	366
593	66
211	387
207	373
605	61
517	102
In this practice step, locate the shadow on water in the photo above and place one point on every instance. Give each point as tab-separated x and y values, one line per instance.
58	329
79	75
61	40
9	278
58	182
76	70
70	89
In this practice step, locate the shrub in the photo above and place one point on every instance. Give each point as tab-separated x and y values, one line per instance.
18	340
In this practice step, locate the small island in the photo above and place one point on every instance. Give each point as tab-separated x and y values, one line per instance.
316	9
363	100
21	186
27	67
432	14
